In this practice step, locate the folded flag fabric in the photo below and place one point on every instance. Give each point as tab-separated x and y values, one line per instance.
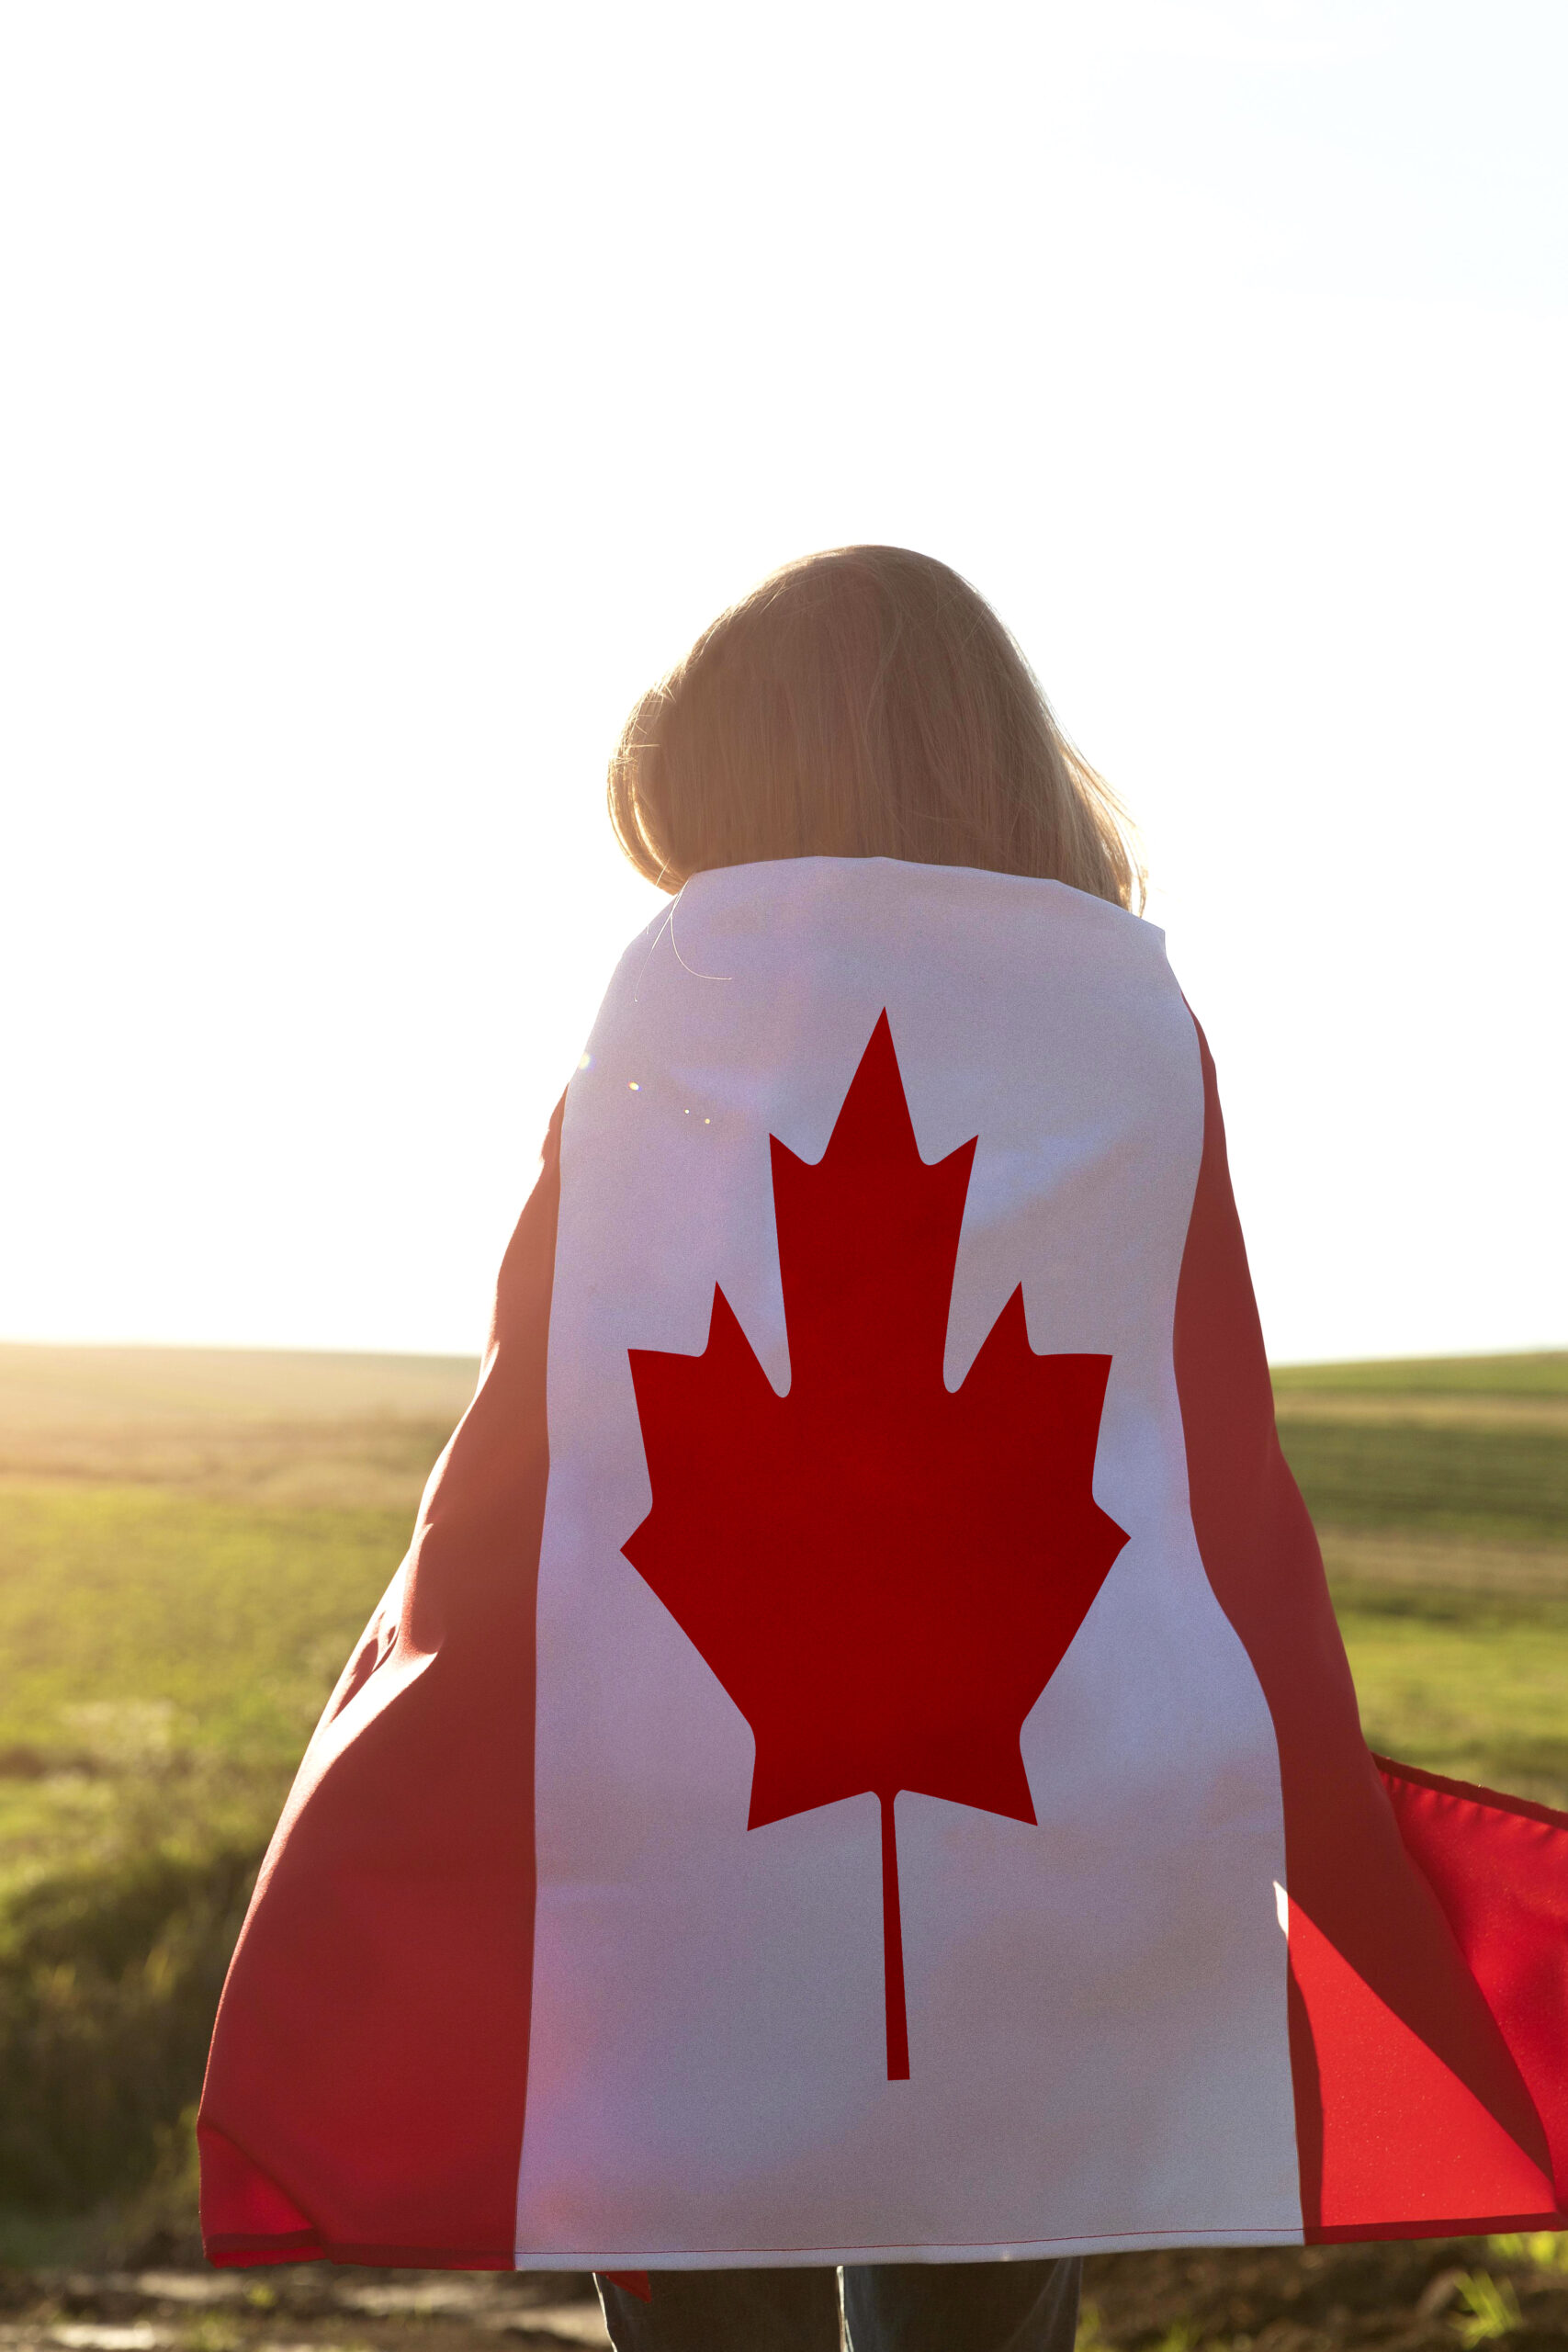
858	1762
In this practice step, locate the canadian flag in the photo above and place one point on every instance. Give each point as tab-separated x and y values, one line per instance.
858	1762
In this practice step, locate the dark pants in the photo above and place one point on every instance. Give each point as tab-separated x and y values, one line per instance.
888	2307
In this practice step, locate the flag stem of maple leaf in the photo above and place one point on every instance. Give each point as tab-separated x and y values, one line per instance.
893	1948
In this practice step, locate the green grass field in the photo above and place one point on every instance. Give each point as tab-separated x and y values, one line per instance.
1441	1492
191	1540
190	1543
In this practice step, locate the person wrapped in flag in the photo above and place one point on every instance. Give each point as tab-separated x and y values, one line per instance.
858	1768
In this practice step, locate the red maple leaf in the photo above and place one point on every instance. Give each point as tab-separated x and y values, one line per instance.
883	1572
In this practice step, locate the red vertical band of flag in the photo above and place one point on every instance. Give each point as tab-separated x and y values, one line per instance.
1499	1867
365	2089
1391	2043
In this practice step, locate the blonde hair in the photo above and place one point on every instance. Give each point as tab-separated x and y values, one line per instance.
862	703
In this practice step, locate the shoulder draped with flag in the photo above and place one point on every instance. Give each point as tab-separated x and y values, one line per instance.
858	1763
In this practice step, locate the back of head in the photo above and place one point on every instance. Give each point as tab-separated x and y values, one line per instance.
862	703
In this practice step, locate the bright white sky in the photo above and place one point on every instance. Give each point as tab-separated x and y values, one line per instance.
392	392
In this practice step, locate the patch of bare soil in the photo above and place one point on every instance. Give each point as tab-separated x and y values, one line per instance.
1423	2295
1427	2296
311	2309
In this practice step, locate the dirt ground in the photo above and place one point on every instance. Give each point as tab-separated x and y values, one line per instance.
313	2308
1411	2297
1422	2297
